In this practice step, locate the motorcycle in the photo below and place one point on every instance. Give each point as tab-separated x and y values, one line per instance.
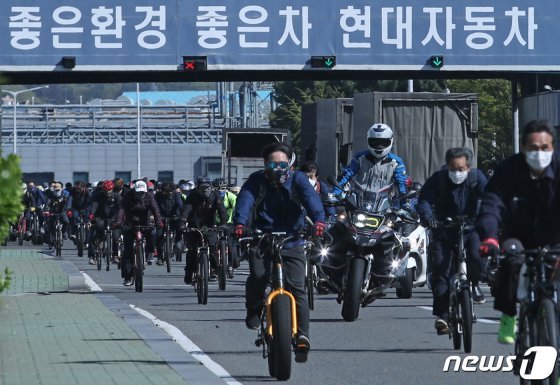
367	255
415	244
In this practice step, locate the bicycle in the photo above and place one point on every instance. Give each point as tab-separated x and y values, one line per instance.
168	247
223	259
58	240
139	255
201	275
104	247
278	330
538	297
35	227
313	251
21	228
81	237
460	297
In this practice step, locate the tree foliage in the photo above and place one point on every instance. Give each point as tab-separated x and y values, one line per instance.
10	193
494	118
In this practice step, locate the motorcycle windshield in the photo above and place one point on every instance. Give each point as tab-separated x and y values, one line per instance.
376	201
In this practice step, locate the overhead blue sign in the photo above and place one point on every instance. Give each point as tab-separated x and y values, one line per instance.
277	35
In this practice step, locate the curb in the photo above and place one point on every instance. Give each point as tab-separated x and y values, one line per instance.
76	280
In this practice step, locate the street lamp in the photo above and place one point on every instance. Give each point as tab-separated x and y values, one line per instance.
14	95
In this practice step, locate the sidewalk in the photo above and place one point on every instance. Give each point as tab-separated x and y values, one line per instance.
63	337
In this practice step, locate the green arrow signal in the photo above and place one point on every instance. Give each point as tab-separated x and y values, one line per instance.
437	62
328	62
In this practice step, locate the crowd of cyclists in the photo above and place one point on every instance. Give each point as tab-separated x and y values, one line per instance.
520	201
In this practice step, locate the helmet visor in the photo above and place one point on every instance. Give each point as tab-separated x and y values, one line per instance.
379	143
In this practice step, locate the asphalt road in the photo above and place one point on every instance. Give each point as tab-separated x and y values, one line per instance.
392	342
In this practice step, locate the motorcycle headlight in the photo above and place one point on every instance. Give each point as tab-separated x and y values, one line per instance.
324	252
394	263
360	221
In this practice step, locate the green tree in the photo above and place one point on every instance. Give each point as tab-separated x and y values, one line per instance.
10	193
494	117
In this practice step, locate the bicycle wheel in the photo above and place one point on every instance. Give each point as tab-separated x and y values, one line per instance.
222	274
547	334
309	285
80	241
202	279
99	253
108	249
167	254
525	338
454	322
465	304
21	232
281	342
139	269
58	242
35	230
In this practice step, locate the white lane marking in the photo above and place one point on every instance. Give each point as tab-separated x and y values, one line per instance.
189	346
91	283
483	320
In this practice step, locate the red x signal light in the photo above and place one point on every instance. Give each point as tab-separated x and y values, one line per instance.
194	63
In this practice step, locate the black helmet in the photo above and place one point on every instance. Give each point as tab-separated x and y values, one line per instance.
219	183
203	181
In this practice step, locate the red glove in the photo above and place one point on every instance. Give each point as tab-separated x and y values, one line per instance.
319	229
46	213
160	224
239	230
69	213
91	217
489	247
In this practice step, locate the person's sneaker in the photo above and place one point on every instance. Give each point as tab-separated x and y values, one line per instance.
302	348
149	259
91	261
73	237
252	320
127	282
159	262
477	295
116	260
213	277
506	333
323	286
28	234
441	327
65	236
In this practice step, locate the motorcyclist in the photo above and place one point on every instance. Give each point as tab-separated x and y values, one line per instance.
201	209
104	207
136	206
450	192
271	200
522	200
376	167
170	206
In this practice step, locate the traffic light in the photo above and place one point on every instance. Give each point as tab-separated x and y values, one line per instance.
323	61
436	61
194	63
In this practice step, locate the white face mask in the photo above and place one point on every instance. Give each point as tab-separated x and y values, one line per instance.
538	160
458	177
312	182
57	193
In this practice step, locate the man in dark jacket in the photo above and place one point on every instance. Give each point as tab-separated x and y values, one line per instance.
136	206
201	208
522	200
448	193
271	201
312	171
80	206
171	207
104	208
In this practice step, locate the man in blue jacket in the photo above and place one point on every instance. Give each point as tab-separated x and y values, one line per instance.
522	200
450	192
271	201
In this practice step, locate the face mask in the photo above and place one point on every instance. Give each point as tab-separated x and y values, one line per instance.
51	188
538	160
57	193
458	177
312	182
